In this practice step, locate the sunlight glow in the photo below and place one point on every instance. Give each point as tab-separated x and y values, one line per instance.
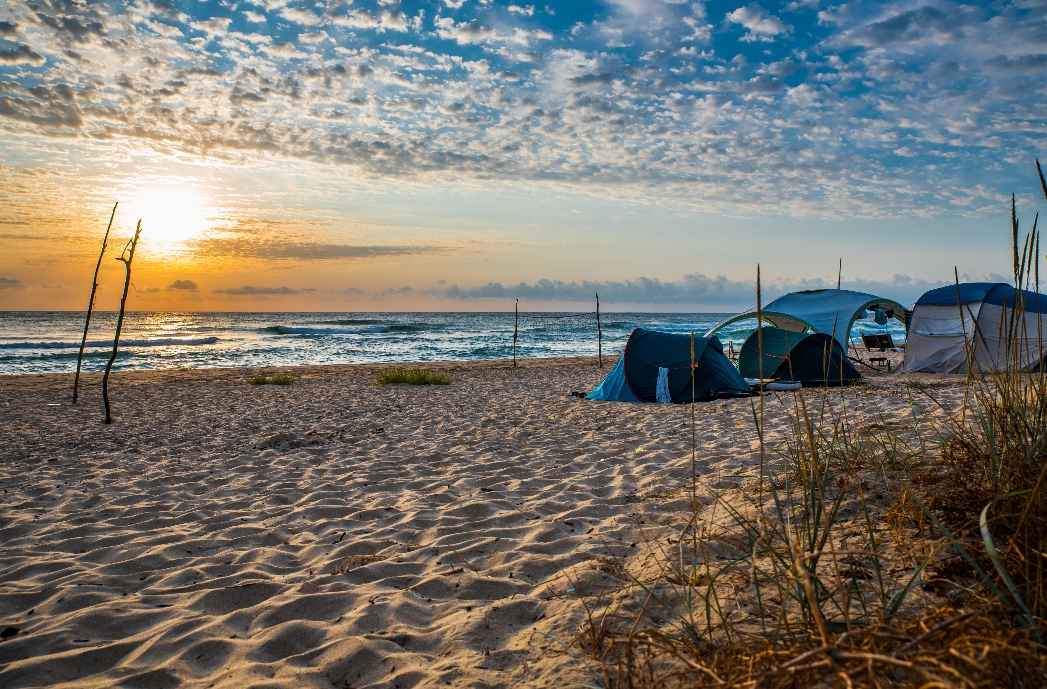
171	216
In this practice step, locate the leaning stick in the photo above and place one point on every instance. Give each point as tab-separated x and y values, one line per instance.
126	256
91	303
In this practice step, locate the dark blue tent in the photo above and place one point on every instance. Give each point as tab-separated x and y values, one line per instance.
656	366
809	358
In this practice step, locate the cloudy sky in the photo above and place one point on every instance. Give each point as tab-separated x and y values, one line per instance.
453	154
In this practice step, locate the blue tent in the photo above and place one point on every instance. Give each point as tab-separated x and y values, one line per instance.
656	366
828	311
987	326
998	293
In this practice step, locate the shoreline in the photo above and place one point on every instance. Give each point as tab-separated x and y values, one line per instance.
312	369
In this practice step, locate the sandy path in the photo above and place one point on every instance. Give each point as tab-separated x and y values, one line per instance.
333	533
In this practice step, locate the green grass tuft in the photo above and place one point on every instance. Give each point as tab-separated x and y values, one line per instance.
272	379
412	376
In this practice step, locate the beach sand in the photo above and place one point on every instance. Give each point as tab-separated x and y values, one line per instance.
334	533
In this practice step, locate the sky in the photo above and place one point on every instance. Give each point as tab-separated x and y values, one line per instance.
382	155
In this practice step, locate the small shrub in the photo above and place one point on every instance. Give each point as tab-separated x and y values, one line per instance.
412	376
272	379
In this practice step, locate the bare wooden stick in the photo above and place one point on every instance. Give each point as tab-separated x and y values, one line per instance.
599	334
91	304
516	330
839	275
126	257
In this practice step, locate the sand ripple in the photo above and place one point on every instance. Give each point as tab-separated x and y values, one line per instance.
330	533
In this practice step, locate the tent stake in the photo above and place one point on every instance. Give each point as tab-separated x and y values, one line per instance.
126	256
91	304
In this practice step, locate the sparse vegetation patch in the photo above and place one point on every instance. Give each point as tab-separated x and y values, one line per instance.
271	379
412	376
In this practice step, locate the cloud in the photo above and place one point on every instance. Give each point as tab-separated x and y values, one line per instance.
252	291
762	26
71	22
695	289
385	20
47	106
633	101
20	54
10	283
280	250
916	25
183	285
301	16
475	32
8	29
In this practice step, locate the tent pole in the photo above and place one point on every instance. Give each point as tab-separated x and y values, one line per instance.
516	330
839	274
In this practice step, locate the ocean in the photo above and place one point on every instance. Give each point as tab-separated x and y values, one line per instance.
48	341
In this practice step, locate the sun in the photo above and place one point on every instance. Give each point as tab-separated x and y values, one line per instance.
171	216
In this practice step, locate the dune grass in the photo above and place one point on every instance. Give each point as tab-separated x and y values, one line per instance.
863	555
412	376
271	379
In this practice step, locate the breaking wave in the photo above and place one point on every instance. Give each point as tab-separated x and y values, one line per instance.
131	342
364	330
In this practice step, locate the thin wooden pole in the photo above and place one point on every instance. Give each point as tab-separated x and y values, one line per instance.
516	330
839	275
599	334
694	434
759	352
91	304
126	257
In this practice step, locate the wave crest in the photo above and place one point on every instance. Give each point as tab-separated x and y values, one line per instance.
146	342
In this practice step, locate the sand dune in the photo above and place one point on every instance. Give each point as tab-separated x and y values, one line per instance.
333	533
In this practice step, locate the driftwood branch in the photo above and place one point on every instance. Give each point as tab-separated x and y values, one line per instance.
126	257
91	304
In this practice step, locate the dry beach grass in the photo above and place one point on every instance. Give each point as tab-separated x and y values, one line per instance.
335	532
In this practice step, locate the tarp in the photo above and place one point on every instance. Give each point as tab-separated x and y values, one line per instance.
649	353
828	311
810	358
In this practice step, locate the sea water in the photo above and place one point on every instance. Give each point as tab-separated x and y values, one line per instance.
48	342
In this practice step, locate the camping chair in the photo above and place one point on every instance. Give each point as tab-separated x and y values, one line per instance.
881	342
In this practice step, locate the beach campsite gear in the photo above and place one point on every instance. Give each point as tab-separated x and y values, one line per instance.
656	367
807	358
998	325
831	312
